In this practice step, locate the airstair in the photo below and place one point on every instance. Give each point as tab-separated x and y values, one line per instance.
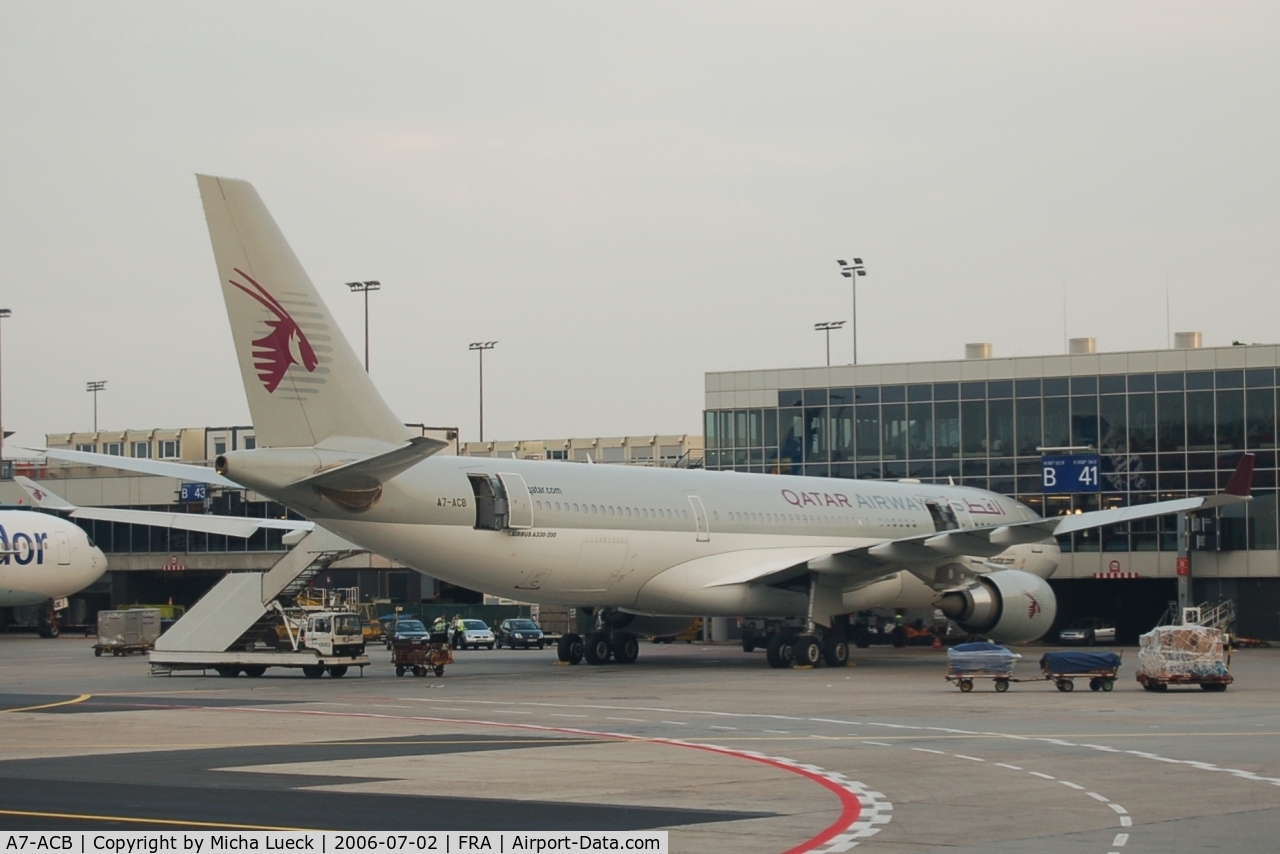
1219	615
238	608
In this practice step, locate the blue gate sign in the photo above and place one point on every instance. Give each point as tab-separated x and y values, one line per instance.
193	492
1068	473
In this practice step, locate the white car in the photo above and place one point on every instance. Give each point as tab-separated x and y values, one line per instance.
475	634
1089	630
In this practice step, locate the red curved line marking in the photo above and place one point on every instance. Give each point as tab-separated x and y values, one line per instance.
850	806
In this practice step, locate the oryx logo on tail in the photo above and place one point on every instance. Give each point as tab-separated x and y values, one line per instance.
285	345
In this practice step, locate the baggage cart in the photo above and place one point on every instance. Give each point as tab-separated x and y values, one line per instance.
1063	668
418	657
127	631
1183	655
967	662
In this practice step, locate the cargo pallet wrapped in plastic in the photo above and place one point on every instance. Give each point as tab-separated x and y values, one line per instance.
968	661
1183	655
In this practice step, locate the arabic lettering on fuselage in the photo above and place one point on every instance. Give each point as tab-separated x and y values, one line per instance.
28	547
982	507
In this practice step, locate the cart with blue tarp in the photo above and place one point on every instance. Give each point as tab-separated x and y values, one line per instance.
969	661
1063	668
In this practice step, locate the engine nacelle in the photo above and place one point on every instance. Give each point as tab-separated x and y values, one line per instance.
1009	606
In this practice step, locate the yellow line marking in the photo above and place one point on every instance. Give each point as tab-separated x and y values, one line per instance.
130	820
79	699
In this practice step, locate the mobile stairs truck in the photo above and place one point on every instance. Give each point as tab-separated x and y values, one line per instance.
234	629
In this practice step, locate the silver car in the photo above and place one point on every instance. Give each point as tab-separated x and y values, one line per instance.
475	634
1090	630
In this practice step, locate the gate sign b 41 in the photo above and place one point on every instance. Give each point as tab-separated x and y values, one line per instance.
1066	473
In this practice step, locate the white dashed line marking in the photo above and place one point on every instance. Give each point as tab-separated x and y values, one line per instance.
1075	786
676	723
629	720
1120	840
1041	775
878	743
1126	821
970	758
713	726
1010	767
778	731
554	715
1119	809
927	750
1098	797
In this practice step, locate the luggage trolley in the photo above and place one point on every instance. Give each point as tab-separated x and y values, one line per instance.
1063	668
969	661
418	658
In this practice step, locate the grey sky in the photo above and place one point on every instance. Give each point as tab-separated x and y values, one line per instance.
626	195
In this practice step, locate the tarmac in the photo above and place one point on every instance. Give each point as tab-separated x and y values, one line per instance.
706	742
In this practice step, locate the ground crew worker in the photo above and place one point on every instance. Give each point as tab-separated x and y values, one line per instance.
459	632
440	626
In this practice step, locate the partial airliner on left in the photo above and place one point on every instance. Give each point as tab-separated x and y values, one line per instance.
43	558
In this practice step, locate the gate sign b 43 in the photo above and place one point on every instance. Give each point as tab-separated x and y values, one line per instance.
1067	473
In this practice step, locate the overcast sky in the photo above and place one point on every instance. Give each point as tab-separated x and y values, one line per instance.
626	195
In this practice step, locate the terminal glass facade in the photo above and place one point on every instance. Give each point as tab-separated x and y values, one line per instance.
1160	436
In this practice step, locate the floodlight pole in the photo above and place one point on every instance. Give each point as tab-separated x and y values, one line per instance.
852	272
480	347
95	386
827	327
365	287
4	312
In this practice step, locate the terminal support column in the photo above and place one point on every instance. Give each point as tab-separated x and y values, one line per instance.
1184	564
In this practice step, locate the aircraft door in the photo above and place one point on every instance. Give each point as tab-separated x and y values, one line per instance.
944	518
491	502
519	505
64	549
700	519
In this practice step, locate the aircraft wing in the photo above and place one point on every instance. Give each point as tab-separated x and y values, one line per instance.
231	526
162	468
920	554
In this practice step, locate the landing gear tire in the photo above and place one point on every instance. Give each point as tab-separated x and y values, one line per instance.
626	649
338	671
780	652
313	671
808	653
253	671
47	626
570	649
597	648
835	652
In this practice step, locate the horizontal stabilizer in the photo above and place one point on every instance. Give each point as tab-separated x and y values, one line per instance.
374	471
159	468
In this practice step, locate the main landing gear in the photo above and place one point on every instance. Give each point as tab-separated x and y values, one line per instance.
599	647
825	646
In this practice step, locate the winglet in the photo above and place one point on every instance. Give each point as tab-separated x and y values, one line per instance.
1241	483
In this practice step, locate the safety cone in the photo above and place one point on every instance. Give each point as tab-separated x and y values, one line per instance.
937	642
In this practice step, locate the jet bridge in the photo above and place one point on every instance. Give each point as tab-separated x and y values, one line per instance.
222	631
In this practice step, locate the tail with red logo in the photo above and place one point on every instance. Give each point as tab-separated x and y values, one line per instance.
305	385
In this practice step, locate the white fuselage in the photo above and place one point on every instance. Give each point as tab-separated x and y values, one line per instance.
654	540
44	557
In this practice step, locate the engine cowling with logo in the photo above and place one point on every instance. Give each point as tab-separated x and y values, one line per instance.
1009	606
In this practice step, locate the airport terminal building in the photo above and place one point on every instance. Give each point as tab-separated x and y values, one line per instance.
1164	424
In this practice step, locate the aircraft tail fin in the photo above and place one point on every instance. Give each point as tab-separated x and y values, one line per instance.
41	497
305	385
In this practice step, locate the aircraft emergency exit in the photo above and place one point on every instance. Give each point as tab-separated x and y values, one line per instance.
643	548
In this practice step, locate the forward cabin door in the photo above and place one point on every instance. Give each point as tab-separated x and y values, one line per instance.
64	549
519	505
700	519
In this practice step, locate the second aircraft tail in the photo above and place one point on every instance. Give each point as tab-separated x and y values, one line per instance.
305	385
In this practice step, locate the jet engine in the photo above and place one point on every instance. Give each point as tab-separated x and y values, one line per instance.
1009	606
